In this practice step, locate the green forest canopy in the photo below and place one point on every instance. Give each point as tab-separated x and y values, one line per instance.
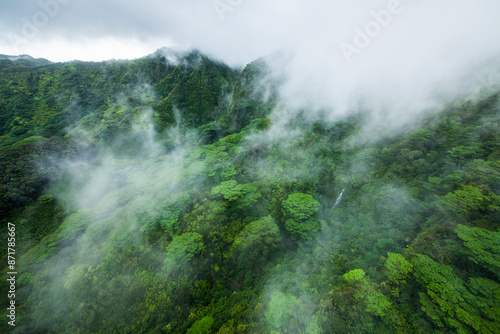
145	202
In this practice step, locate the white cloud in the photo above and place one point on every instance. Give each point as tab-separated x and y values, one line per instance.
253	28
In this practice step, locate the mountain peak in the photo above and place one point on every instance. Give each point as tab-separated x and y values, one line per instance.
26	60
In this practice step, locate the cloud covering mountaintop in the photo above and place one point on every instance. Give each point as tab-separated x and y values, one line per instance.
239	31
387	55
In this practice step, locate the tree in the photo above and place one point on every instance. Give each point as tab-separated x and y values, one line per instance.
201	326
375	302
482	246
229	190
175	206
300	211
449	303
471	199
398	269
486	297
356	275
245	194
257	240
250	195
460	154
182	249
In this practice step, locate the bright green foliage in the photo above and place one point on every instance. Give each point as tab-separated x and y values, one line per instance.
300	210
486	297
229	190
442	284
448	302
398	268
246	194
374	301
471	199
483	246
300	206
201	326
356	275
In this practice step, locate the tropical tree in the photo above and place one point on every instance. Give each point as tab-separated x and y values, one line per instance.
300	211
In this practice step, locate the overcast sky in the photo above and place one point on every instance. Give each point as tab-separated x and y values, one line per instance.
239	31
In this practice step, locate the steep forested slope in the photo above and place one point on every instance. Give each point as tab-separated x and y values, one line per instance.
155	196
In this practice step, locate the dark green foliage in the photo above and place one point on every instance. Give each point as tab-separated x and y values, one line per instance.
195	92
27	166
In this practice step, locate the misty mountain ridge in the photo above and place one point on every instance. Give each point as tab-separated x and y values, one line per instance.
24	60
176	194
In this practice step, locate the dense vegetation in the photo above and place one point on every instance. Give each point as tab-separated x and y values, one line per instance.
155	196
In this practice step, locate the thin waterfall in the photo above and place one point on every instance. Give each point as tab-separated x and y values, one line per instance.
337	202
